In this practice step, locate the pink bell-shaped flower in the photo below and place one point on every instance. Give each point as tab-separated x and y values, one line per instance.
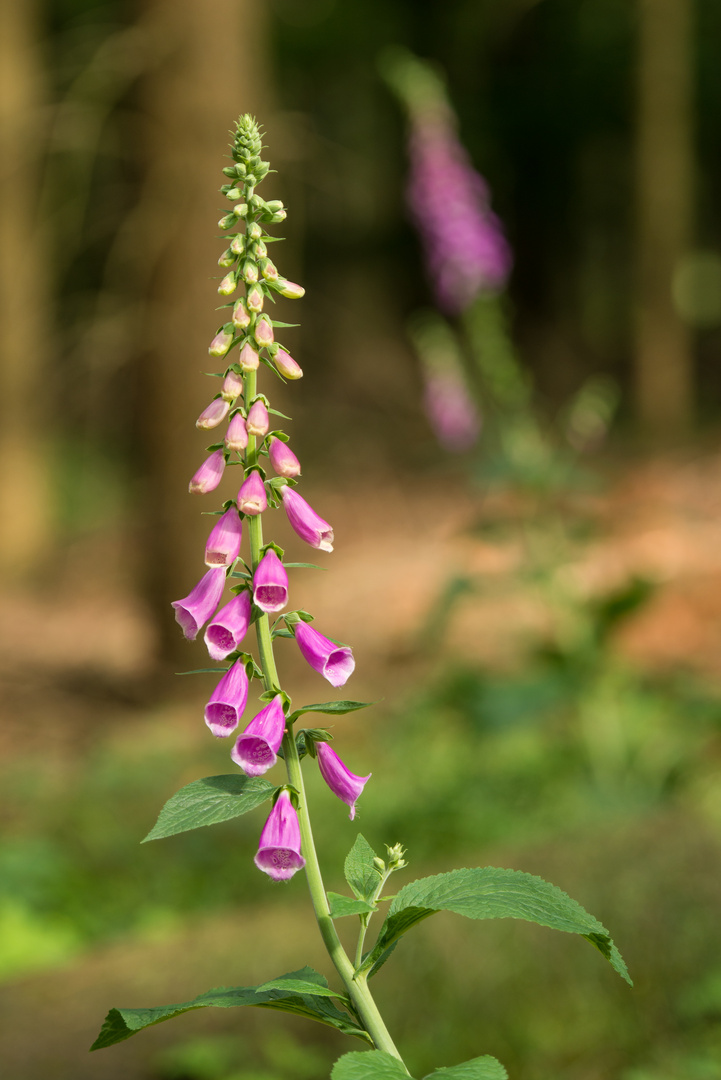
227	702
248	358
220	343
213	414
236	437
334	662
263	332
200	603
279	846
208	475
258	421
307	524
270	583
342	782
282	458
223	546
256	750
287	366
225	632
232	386
252	497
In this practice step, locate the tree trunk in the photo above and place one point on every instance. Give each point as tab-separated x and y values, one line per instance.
25	334
664	192
212	67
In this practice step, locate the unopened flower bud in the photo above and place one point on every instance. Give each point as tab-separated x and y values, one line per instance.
263	332
270	583
342	782
229	171
234	193
227	222
227	702
250	272
226	630
254	231
213	414
308	525
379	864
223	546
208	475
283	459
268	270
256	750
236	437
227	258
258	421
232	386
277	218
287	366
221	342
274	206
248	358
279	846
228	285
254	299
241	316
334	662
289	289
252	497
260	249
237	244
241	210
200	603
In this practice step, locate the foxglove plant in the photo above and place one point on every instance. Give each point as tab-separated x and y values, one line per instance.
260	587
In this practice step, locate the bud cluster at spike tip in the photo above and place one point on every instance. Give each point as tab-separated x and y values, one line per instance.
244	343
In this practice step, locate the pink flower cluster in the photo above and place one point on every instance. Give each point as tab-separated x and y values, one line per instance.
265	587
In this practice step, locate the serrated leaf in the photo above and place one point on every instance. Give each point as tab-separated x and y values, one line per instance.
369	1065
335	707
341	906
480	1068
281	993
359	869
209	801
491	893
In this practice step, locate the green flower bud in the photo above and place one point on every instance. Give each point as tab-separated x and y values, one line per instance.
229	170
259	249
241	317
254	231
250	272
227	258
237	245
268	270
277	218
228	285
241	210
254	299
234	193
261	171
227	222
274	206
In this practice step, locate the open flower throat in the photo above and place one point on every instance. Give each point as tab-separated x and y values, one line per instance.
259	587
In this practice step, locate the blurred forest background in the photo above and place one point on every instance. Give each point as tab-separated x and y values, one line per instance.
545	641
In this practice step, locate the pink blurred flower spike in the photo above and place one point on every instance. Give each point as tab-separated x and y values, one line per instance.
279	846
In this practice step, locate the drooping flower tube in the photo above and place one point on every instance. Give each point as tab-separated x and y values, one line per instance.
208	475
252	497
256	750
225	632
258	421
283	459
334	662
270	583
232	386
236	437
287	366
196	608
223	546
213	414
306	523
227	702
342	782
248	358
279	846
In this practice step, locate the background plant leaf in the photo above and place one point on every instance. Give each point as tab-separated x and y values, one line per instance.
209	801
282	993
336	707
491	893
359	870
480	1068
368	1065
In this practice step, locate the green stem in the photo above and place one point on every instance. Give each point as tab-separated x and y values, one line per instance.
357	987
365	919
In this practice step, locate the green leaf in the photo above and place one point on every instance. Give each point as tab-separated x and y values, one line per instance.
284	325
359	869
480	1068
204	671
340	906
368	1065
303	992
491	893
335	707
306	565
209	801
275	412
